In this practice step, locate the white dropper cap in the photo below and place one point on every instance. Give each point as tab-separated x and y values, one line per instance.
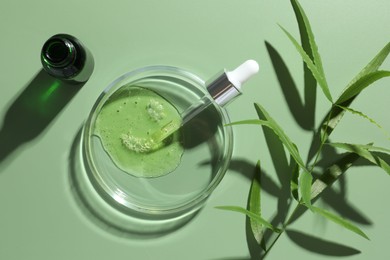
228	85
242	73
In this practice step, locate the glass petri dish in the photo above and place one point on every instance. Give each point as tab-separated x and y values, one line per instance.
140	204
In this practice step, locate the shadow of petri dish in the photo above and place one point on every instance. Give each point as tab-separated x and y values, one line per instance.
101	213
162	204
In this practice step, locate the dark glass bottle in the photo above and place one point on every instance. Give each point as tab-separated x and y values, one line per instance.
65	57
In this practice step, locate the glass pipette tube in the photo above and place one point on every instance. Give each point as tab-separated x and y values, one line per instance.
222	89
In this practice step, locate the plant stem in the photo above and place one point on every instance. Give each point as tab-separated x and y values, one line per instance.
273	243
323	140
282	231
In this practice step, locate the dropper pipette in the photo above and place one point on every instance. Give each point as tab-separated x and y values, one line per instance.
222	89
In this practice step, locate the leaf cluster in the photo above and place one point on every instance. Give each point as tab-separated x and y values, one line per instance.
305	187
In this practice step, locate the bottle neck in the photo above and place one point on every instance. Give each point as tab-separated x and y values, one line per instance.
64	57
59	52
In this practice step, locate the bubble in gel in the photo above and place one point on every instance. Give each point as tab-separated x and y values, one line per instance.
155	110
124	131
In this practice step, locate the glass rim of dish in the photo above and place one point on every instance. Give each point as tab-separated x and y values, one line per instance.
112	193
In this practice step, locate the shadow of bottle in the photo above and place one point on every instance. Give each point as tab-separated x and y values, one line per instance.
33	110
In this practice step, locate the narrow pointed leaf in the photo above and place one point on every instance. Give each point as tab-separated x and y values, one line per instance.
373	65
367	152
254	205
300	13
307	115
290	146
257	217
336	113
339	220
305	188
249	122
361	114
360	84
310	64
372	148
279	132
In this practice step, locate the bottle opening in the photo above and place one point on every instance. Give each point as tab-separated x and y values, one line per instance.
57	52
63	56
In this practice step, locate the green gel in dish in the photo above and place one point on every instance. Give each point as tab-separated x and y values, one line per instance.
126	125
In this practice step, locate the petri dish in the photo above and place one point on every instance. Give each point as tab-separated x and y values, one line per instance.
142	204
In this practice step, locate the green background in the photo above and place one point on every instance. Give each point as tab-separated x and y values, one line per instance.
39	217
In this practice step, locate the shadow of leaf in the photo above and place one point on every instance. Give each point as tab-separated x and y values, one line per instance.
344	208
320	246
246	168
232	258
303	115
254	248
338	199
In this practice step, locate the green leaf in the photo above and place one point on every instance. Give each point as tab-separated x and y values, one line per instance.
271	123
338	220
367	74
336	113
279	132
375	148
361	114
252	215
372	66
300	13
360	84
310	64
254	205
305	188
248	122
367	152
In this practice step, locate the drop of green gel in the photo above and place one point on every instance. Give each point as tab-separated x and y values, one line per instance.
125	125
